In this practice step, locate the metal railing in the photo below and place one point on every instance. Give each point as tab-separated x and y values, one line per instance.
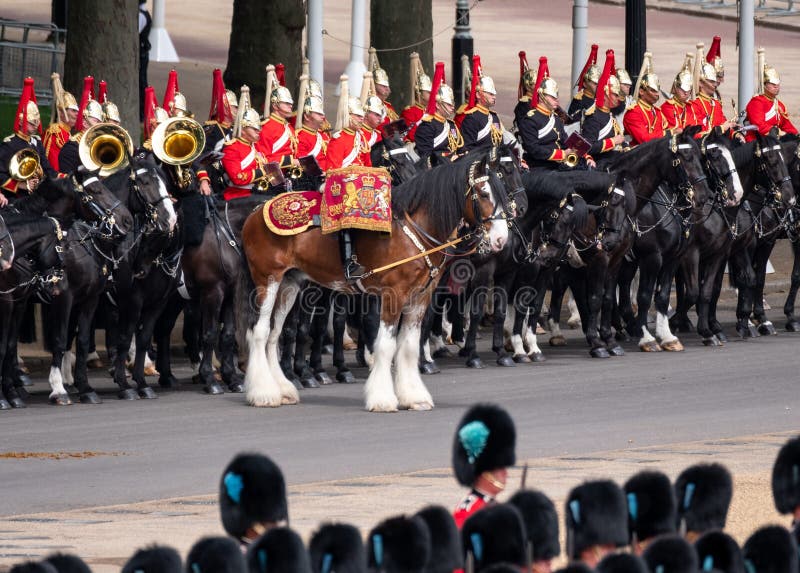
772	10
30	50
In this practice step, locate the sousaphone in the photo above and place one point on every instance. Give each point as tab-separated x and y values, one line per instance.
104	147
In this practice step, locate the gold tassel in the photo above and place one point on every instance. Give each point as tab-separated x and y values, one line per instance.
58	100
415	68
367	87
342	112
698	66
301	105
762	63
244	105
647	67
272	80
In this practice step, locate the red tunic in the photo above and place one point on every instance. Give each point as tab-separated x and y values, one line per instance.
413	116
240	162
54	139
644	122
708	111
678	114
277	142
346	148
371	137
391	113
311	142
766	113
473	503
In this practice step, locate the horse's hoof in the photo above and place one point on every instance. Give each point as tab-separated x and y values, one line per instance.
616	350
236	387
558	341
721	336
713	340
538	357
386	406
90	398
290	400
522	359
752	331
767	329
475	362
573	324
309	381
427	368
60	400
323	378
22	393
147	393
793	326
444	352
4	405
421	406
264	401
169	382
345	377
17	403
672	346
23	379
213	388
506	361
599	352
71	389
128	394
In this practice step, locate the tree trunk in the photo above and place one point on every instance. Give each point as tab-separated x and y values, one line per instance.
264	32
397	24
103	40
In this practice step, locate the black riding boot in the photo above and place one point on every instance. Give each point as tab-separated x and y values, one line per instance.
352	269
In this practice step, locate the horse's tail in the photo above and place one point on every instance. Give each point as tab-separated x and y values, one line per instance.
244	304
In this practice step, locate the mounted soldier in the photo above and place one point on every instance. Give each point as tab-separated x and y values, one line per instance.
626	86
706	106
421	90
244	165
219	129
765	110
91	113
62	124
644	121
110	109
311	140
600	127
437	134
481	126
278	142
153	115
678	110
23	161
587	87
374	114
527	83
382	89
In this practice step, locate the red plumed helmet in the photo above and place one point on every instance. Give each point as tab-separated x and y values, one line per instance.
715	51
27	109
543	72
476	77
220	109
608	70
86	97
523	67
150	105
102	92
438	78
172	87
280	71
590	61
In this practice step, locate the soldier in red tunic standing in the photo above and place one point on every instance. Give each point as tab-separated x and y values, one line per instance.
483	449
765	110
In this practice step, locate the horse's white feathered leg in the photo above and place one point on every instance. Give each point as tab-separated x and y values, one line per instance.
287	294
378	390
260	388
411	390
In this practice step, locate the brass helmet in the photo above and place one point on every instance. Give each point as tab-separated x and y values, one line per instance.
232	101
314	89
354	106
685	77
379	74
445	94
179	108
374	104
70	102
32	113
160	114
528	80
592	74
94	110
614	85
313	104
549	87
111	112
250	118
708	72
281	95
424	83
650	80
624	77
486	85
771	75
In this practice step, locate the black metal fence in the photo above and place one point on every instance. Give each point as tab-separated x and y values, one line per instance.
30	50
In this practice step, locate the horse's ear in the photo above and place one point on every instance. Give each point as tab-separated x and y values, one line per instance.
718	130
692	130
773	132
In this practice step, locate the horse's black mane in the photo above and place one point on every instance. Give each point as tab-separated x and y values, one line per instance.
744	154
441	193
631	160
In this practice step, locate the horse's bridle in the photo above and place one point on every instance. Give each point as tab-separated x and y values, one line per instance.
775	196
106	223
685	183
720	187
150	207
52	275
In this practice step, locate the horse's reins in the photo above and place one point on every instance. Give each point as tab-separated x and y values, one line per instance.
10	240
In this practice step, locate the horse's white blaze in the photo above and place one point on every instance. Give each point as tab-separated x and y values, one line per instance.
56	382
261	389
663	332
67	364
378	390
498	234
531	342
738	190
410	388
646	337
172	216
285	300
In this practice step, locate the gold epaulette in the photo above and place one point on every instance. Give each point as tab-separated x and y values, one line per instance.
578	96
461	109
472	110
229	141
427	117
77	137
525	98
590	110
54	128
9	138
211	122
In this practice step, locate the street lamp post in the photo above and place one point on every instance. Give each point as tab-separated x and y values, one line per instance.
746	47
315	54
356	68
161	48
462	44
580	22
635	36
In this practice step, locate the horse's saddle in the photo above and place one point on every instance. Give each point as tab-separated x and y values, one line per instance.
292	213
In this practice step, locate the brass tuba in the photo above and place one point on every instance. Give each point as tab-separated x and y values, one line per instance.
179	141
571	160
24	164
103	146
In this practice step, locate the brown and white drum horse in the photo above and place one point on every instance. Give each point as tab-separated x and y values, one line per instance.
427	211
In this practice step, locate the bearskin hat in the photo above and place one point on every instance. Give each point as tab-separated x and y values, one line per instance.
495	534
622	563
252	490
337	547
154	559
703	493
718	550
33	567
279	550
786	477
541	522
596	514
651	505
671	554
215	555
399	544
485	440
445	541
68	563
771	549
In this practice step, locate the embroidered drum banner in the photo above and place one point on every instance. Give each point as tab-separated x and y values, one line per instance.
357	197
291	213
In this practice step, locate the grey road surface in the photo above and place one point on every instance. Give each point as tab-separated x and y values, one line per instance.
571	404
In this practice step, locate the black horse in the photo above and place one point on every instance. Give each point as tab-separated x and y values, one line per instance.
391	153
6	246
791	152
